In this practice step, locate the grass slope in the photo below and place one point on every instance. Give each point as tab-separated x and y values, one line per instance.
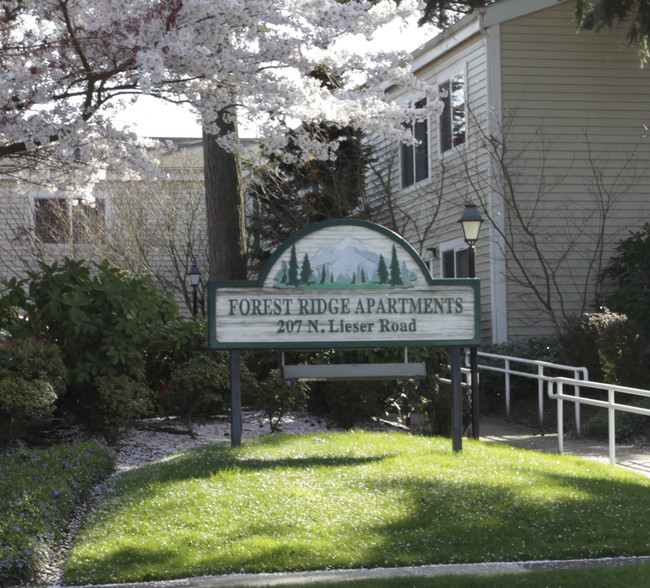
356	499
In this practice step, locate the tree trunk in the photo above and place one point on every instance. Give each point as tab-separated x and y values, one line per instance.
224	199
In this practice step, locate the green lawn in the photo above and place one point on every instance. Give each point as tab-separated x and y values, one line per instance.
356	499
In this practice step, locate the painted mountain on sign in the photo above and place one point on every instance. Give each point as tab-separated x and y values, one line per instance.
345	258
348	263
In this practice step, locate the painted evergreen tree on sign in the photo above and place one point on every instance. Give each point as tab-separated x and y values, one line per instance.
292	279
305	271
382	271
395	271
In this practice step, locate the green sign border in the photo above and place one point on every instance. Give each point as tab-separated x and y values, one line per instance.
214	285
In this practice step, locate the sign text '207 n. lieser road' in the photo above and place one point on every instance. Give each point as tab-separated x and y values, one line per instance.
344	284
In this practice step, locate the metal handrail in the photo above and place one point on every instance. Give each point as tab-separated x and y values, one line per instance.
611	405
580	374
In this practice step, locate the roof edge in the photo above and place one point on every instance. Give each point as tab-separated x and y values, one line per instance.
511	9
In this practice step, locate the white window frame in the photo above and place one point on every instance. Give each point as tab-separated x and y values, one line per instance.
413	148
71	222
457	246
447	77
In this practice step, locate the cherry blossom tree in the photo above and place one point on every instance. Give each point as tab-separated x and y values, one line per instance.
67	65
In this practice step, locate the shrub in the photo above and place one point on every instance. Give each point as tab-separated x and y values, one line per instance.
31	359
627	277
264	387
628	426
179	342
277	397
621	349
610	346
38	492
22	402
199	386
351	402
119	401
103	321
578	347
614	351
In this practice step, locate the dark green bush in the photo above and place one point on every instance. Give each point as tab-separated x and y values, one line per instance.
277	397
119	401
349	403
103	321
199	386
614	351
38	492
264	387
621	349
31	359
179	342
628	426
22	402
610	346
578	347
626	279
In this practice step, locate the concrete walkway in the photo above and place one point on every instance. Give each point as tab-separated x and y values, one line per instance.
499	431
492	431
327	576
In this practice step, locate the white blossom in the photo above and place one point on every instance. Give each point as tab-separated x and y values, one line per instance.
66	65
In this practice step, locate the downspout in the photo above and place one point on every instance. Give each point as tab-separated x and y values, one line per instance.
498	286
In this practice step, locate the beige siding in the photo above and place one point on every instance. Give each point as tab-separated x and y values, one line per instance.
427	214
572	112
575	106
15	229
154	226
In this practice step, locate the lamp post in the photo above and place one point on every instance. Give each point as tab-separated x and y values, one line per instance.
194	274
470	221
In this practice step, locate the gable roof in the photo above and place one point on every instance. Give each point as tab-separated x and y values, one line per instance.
510	9
474	23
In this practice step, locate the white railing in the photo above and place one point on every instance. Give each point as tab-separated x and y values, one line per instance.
610	404
579	374
463	372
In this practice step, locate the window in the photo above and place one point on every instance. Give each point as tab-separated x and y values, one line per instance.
454	260
52	220
57	220
415	158
453	120
88	222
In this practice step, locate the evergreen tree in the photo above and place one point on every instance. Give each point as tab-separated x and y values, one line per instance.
395	271
291	194
406	275
305	271
293	269
382	271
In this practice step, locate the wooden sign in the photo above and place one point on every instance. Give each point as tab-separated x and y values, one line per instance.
344	283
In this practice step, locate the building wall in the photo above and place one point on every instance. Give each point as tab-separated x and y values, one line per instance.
155	226
575	106
427	214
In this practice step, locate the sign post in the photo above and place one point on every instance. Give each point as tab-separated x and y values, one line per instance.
344	284
236	420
